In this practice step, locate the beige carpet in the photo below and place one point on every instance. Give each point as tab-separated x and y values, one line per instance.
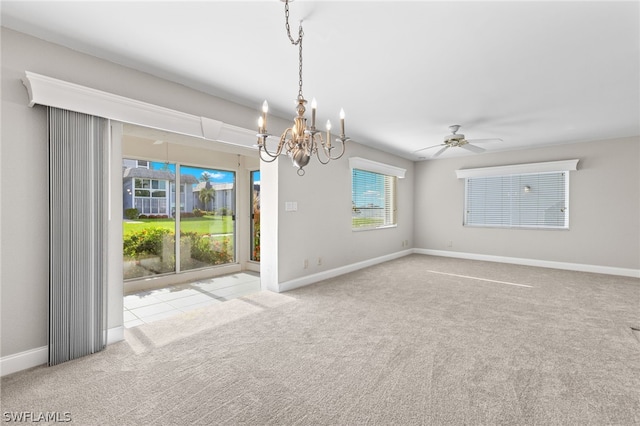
411	341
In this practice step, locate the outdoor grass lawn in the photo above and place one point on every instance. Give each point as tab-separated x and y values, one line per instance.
201	225
361	222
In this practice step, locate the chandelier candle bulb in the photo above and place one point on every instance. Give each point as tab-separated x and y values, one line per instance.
328	134
260	125
265	109
342	122
314	106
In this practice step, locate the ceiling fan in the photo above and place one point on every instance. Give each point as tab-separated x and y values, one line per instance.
457	140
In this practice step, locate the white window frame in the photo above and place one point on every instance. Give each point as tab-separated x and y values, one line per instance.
391	217
520	170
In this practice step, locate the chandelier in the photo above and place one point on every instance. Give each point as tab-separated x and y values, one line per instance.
299	141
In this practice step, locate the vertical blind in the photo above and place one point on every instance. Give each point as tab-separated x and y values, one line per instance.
77	234
535	200
373	199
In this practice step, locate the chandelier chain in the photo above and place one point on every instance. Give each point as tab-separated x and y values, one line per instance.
299	142
297	42
300	71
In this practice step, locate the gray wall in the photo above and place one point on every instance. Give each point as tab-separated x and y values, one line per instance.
604	216
23	174
320	228
604	195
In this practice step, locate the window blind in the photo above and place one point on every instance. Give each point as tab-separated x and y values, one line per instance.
373	199
535	200
77	234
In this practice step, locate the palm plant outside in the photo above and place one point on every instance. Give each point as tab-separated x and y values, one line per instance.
208	193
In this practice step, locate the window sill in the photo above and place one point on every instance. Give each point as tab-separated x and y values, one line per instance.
529	228
374	228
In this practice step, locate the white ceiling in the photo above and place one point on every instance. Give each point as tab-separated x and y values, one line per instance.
530	73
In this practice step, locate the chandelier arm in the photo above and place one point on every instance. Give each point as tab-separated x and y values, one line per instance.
320	159
287	144
270	159
317	146
276	154
343	141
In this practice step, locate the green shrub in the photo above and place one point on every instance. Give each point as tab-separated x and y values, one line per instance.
204	248
209	250
256	242
148	241
131	214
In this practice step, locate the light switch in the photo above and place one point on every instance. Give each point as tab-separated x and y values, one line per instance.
291	206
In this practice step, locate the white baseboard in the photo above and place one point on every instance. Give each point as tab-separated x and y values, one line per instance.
21	361
320	276
598	269
115	334
34	357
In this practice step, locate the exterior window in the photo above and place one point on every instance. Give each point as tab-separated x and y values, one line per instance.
150	188
532	200
373	200
183	196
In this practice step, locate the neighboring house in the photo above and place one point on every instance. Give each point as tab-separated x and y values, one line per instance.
223	196
153	192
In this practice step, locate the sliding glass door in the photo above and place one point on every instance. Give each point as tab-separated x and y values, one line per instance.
155	194
207	218
147	226
255	216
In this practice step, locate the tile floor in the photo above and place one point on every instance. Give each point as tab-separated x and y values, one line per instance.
152	305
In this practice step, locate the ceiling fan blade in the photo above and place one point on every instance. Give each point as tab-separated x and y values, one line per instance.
441	151
429	147
485	140
473	148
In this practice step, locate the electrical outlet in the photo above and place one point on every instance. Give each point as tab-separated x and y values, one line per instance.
450	244
319	261
306	263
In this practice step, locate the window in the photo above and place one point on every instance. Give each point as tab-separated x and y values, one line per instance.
152	244
501	197
158	205
373	200
183	197
207	222
373	193
255	215
527	201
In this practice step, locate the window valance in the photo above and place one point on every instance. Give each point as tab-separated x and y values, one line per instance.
373	166
517	169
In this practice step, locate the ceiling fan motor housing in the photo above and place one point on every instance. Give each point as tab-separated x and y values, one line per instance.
455	140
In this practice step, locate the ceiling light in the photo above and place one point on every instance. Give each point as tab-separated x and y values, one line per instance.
299	141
